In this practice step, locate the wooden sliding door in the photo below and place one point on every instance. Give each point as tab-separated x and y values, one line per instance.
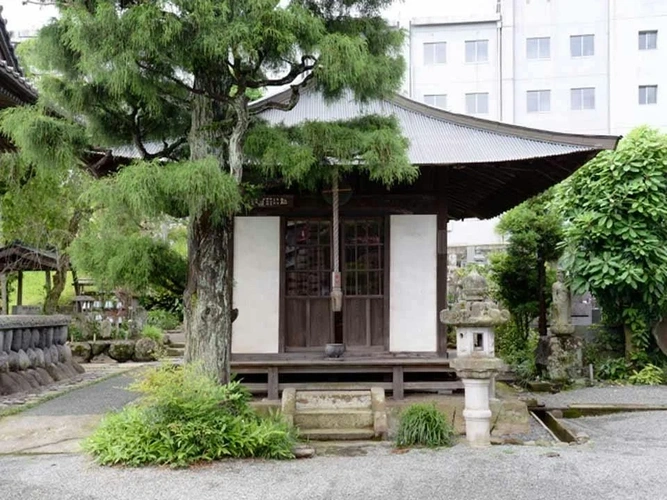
308	320
364	283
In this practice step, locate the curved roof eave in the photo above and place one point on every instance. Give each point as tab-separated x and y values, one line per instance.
472	136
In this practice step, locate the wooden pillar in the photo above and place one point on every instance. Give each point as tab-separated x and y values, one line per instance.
19	290
4	294
397	383
47	280
75	280
441	266
273	389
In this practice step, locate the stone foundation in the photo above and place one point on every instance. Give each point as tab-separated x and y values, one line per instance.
33	353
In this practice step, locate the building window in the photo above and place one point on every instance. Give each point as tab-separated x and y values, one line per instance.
436	100
648	40
582	98
582	45
435	53
538	101
648	94
477	51
477	104
538	48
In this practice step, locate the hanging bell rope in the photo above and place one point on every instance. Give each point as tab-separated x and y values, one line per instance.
336	290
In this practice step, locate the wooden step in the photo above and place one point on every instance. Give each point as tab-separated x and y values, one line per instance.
334	399
337	434
333	419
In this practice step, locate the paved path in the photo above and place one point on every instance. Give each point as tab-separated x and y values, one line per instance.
620	395
58	425
625	461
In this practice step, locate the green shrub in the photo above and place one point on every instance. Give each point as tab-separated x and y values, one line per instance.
423	425
649	375
518	352
183	418
614	369
165	320
153	332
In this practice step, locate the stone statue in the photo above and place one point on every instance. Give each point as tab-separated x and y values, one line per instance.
561	307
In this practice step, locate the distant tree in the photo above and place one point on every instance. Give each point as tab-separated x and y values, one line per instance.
40	189
534	232
617	232
181	72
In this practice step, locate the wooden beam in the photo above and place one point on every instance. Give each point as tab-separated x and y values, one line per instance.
441	264
19	292
3	293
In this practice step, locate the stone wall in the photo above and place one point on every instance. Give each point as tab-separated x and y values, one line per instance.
33	352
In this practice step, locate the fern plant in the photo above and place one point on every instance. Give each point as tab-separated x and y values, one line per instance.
424	425
649	375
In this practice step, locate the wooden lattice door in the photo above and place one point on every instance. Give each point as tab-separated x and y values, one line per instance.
364	283
308	318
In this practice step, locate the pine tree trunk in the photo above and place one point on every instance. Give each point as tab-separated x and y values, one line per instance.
208	296
58	286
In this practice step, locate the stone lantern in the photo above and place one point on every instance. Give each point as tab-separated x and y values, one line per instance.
475	318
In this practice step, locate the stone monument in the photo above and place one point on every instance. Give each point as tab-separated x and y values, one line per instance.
475	318
565	350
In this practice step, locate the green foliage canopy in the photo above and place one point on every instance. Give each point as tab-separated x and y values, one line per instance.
617	231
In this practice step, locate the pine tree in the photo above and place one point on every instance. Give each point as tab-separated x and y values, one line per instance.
183	72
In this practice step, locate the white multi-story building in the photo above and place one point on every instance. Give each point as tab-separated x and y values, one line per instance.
588	66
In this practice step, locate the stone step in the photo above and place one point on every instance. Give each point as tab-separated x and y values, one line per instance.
175	352
177	345
341	399
333	419
337	434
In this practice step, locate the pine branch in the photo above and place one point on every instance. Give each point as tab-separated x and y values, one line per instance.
284	106
307	64
180	83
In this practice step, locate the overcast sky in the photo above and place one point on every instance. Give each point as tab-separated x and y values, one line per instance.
21	17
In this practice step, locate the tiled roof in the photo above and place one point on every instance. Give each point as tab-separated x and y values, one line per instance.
438	137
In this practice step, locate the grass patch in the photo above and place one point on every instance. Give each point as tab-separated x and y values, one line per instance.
34	290
424	425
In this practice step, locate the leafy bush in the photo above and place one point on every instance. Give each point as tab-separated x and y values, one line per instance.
184	417
649	375
166	320
518	352
614	369
153	332
423	425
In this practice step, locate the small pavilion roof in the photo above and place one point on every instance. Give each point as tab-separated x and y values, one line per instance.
491	166
19	257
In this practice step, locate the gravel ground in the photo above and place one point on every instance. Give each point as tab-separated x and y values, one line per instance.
640	395
624	460
96	399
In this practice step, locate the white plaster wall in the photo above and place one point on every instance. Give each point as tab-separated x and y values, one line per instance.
256	284
413	302
470	232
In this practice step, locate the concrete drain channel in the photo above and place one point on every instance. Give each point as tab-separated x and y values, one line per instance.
552	418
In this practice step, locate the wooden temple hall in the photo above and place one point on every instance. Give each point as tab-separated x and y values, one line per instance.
392	249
